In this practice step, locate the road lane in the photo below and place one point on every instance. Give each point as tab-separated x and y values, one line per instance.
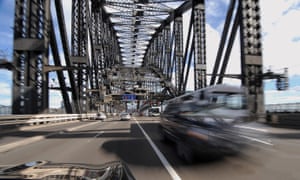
162	158
97	144
28	137
38	130
123	140
257	161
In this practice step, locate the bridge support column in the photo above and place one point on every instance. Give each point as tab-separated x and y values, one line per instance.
79	51
167	56
178	55
200	47
251	55
31	51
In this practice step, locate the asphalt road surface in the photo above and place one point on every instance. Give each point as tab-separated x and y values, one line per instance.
274	153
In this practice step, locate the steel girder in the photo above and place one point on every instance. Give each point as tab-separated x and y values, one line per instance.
178	50
173	62
60	75
31	43
79	51
247	19
97	68
200	46
66	51
127	36
251	54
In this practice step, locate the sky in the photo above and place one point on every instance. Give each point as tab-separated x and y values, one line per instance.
280	33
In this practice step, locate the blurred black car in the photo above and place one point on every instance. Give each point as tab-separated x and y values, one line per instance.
48	170
202	123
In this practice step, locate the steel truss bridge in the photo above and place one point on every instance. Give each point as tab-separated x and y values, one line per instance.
118	46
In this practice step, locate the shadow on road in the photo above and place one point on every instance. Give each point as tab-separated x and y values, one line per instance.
137	151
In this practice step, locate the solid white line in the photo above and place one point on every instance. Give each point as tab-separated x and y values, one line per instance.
81	126
257	140
252	128
162	158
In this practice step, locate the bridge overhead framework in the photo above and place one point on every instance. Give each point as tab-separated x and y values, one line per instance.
119	45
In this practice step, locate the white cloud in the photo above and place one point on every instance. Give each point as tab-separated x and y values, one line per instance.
213	8
5	101
279	97
5	89
295	88
280	29
5	94
55	100
67	7
281	36
212	45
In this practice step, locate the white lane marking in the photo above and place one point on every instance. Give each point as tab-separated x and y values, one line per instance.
81	126
100	133
162	158
97	135
9	146
12	145
252	128
257	140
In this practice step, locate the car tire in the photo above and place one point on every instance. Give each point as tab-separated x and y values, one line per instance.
185	153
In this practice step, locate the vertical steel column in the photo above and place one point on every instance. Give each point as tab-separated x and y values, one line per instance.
200	46
98	52
167	52
112	50
79	50
155	51
178	54
160	50
31	50
152	53
251	54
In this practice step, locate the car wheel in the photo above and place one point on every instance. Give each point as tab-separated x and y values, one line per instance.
185	153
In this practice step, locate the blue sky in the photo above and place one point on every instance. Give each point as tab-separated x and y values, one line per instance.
281	44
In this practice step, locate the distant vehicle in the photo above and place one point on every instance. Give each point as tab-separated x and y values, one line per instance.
100	116
125	116
202	122
154	111
50	170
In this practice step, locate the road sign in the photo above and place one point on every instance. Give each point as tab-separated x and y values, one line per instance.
128	97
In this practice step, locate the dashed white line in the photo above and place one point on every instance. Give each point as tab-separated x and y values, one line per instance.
97	135
162	158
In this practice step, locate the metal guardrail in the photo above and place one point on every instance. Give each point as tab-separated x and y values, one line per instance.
20	120
280	108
